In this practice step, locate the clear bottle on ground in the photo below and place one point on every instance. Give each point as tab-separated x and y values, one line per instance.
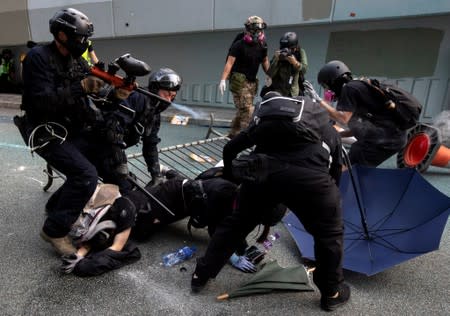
178	256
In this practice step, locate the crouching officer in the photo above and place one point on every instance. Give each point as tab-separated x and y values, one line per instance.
146	121
297	173
56	111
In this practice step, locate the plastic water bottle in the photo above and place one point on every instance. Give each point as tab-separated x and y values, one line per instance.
257	253
178	256
268	243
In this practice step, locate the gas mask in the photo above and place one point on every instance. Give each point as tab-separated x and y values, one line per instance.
76	46
254	37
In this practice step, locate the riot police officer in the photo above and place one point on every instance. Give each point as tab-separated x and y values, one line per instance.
297	174
56	112
146	122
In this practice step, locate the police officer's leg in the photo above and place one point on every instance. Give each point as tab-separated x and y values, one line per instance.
110	162
314	198
80	184
232	230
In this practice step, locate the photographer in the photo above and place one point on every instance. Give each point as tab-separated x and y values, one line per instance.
288	67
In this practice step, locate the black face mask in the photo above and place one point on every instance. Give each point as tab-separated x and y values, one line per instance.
161	106
76	48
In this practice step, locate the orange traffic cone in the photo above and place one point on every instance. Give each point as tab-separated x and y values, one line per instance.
423	149
442	157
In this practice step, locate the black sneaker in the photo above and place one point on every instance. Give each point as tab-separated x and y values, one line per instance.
330	303
198	282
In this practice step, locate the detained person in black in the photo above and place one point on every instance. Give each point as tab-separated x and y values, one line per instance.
358	106
300	176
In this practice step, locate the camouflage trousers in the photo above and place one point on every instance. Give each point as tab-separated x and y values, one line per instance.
243	101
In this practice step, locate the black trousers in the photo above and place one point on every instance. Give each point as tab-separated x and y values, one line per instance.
311	195
66	204
369	154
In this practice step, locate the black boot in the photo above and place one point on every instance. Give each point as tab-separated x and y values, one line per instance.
331	303
198	281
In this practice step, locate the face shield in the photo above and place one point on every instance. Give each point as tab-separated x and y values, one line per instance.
170	82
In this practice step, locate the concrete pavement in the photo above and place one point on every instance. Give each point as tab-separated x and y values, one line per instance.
31	284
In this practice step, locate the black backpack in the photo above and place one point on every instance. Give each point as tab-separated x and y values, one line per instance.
403	105
310	117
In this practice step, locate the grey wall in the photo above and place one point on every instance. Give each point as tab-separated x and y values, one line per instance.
406	41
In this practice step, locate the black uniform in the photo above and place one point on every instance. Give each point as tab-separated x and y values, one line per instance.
207	201
53	93
144	124
298	177
378	136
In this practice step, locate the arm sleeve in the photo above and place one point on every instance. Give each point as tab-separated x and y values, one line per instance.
348	99
304	61
233	148
106	260
150	147
42	89
274	66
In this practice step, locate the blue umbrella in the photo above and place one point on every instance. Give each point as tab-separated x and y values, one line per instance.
390	216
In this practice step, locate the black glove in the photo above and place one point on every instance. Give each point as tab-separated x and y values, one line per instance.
69	262
254	255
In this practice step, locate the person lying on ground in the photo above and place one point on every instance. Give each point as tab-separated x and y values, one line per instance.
101	234
206	200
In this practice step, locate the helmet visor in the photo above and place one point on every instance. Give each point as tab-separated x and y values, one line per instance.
171	82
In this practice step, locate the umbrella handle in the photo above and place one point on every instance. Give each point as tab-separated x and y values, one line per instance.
358	198
223	297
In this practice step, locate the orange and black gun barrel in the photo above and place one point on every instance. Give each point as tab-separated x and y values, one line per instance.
113	79
132	67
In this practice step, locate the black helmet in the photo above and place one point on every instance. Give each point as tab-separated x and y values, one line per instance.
330	72
72	22
77	28
166	79
288	40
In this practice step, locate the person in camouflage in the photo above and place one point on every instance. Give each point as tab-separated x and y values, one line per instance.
243	100
244	57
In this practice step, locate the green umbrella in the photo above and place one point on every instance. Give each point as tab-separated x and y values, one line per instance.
270	278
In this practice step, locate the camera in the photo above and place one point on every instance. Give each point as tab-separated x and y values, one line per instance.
284	53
